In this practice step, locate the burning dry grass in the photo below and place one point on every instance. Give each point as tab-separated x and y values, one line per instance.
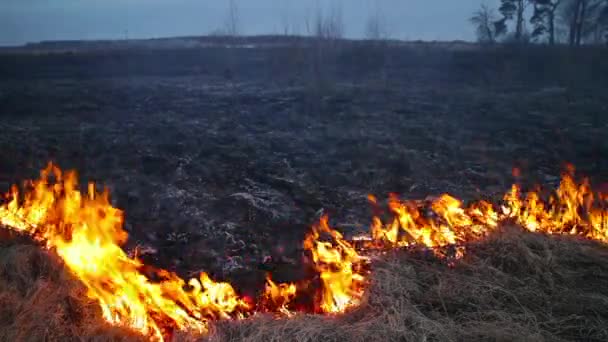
512	285
41	301
506	286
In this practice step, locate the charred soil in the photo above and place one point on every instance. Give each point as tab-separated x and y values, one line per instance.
222	158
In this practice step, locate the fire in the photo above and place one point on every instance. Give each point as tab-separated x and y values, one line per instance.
278	296
574	209
86	232
340	270
454	223
339	267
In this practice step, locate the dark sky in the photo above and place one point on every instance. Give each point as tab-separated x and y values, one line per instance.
34	20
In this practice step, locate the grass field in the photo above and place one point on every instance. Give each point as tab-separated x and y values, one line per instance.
222	157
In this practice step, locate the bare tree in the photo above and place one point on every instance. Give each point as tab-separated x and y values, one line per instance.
327	28
376	28
330	25
484	19
287	25
232	21
336	21
308	23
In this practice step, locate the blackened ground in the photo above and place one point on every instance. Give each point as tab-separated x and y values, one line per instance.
223	157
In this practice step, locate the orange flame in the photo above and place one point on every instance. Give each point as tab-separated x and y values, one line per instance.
339	267
86	232
279	296
573	209
410	225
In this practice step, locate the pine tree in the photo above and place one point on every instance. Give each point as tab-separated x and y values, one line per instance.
543	18
512	10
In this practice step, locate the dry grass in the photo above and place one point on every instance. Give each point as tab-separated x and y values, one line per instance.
40	301
514	286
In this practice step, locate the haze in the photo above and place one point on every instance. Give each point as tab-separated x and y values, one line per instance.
23	21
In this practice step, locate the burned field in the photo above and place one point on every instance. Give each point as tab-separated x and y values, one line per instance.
223	158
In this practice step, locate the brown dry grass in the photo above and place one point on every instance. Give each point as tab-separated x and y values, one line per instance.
514	286
41	301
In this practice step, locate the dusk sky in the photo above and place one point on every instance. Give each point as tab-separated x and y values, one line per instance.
24	21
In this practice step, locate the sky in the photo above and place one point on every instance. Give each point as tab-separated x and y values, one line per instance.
23	21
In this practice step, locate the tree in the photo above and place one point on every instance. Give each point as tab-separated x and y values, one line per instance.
329	26
375	28
580	24
603	21
577	15
232	26
484	19
512	10
288	26
570	17
596	23
543	18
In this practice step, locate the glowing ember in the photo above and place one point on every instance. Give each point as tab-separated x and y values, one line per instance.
86	232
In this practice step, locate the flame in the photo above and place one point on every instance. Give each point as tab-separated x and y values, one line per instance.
411	226
339	267
573	209
279	296
86	232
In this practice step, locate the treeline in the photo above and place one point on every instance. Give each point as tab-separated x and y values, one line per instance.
572	22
